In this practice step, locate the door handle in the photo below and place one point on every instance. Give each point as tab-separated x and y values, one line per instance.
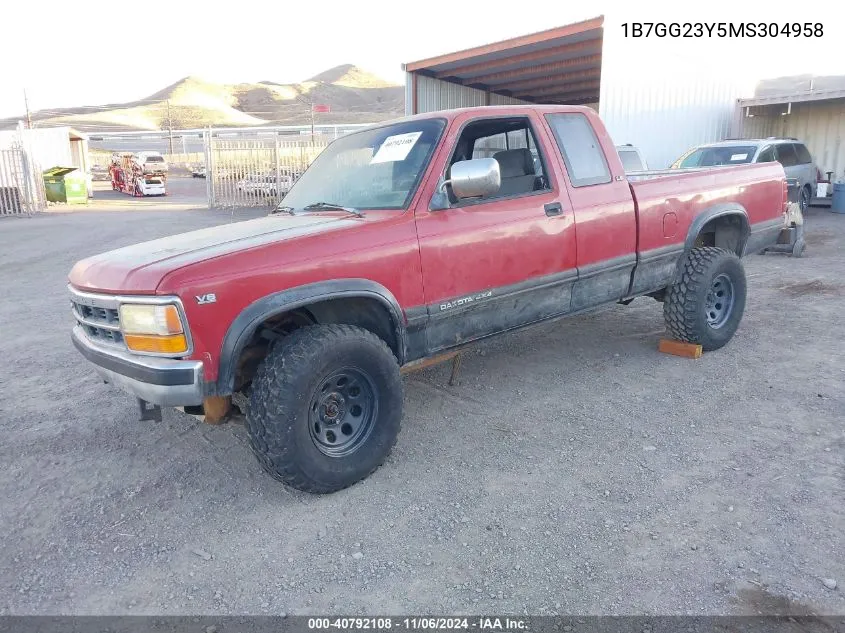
553	208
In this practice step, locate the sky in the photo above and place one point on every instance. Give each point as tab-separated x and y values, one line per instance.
92	52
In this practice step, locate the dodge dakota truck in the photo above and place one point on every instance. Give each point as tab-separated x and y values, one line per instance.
400	244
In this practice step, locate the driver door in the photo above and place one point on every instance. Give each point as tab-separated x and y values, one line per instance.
498	262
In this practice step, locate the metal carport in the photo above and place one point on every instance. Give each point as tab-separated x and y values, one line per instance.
560	65
644	96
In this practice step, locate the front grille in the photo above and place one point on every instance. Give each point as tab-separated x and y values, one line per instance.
99	318
102	334
101	315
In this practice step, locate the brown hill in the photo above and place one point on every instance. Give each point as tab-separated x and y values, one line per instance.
351	76
352	94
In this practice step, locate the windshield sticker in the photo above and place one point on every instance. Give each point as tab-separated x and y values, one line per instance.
738	157
396	147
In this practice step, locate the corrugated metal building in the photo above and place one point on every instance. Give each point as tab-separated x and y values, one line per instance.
645	96
808	108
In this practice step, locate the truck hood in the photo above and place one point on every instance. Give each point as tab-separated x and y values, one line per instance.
138	269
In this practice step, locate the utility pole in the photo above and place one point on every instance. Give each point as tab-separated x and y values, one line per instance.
170	127
28	115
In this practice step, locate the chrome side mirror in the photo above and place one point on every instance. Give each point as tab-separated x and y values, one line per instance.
474	178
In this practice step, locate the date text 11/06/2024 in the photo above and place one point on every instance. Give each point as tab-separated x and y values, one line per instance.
418	624
723	29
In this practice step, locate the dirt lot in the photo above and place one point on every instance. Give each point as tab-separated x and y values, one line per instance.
573	469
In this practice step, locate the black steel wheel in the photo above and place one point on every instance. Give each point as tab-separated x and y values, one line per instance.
325	407
719	302
706	303
342	412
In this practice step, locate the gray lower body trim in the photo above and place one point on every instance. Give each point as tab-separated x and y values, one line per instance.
459	320
602	282
655	269
505	308
763	234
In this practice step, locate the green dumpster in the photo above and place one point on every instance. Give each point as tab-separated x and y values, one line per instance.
66	184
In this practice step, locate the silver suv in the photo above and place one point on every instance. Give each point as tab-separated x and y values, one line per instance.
789	152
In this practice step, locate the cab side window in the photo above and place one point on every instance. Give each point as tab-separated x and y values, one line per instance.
511	142
582	154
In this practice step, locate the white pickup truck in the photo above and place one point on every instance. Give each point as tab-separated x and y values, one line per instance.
150	162
266	185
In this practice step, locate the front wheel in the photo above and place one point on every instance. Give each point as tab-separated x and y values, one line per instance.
706	304
325	407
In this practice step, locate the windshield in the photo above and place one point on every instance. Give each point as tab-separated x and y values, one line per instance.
721	155
372	169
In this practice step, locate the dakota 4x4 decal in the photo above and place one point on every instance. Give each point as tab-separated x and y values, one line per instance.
457	303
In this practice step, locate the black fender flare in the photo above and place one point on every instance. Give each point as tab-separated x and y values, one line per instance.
246	323
711	213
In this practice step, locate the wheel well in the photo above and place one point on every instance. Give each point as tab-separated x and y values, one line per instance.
728	231
363	312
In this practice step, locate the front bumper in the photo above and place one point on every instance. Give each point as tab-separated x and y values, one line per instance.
162	381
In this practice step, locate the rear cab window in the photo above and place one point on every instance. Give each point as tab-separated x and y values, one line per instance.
583	156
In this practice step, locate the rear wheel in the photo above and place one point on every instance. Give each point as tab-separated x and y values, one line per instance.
804	200
325	407
706	305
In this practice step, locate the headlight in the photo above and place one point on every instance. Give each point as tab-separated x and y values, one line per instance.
153	328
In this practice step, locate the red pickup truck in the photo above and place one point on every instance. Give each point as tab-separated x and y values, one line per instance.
401	243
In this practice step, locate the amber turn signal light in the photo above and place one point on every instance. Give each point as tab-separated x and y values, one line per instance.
172	344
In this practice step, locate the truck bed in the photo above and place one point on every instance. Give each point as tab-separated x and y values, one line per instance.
666	206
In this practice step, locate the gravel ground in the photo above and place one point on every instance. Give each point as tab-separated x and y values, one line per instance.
573	469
